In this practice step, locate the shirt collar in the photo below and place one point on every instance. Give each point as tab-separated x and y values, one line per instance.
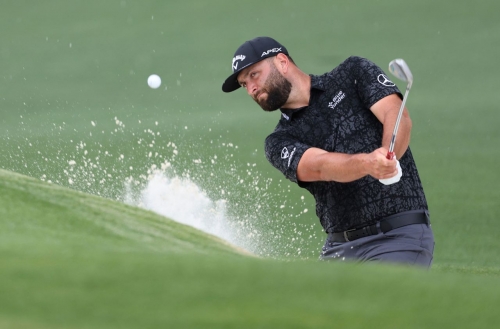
316	83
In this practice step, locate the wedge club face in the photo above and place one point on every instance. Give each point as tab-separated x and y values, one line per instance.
400	70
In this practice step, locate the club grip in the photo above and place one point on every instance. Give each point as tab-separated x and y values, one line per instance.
390	155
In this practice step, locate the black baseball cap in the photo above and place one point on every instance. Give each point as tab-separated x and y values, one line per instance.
249	53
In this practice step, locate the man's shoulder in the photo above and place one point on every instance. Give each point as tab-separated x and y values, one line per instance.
351	65
341	72
278	130
347	64
351	62
358	62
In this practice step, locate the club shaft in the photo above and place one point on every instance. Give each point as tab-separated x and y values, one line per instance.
400	114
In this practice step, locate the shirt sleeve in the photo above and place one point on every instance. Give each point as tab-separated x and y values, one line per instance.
371	81
284	153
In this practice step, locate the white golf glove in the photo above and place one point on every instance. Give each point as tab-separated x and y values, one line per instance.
394	179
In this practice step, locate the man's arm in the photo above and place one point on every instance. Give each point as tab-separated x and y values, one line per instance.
319	165
386	110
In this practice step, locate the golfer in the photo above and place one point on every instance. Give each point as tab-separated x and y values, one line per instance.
332	139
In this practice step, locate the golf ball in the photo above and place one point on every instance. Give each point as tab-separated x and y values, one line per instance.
154	81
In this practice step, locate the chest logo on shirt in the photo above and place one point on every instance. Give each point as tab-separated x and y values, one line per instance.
336	100
384	80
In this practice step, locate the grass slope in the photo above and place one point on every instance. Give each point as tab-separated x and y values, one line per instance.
42	217
72	260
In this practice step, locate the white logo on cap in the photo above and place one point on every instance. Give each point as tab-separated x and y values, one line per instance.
274	50
237	58
384	80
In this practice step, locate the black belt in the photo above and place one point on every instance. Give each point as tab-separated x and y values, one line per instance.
386	224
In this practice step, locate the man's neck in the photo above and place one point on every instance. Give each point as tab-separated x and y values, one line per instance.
301	92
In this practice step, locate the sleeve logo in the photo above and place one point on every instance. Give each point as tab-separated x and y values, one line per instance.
384	80
284	153
287	155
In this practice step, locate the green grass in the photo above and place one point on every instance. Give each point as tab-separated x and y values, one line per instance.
74	258
36	215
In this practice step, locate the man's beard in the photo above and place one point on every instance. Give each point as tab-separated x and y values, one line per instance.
278	90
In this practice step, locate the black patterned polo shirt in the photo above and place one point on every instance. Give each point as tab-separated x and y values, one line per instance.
339	119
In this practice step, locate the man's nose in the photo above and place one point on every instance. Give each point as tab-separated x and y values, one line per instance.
251	88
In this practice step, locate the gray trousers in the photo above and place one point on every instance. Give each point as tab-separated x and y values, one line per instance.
409	245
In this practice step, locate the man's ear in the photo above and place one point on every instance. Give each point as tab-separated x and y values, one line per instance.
282	62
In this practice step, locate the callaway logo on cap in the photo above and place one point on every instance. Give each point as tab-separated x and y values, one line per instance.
249	53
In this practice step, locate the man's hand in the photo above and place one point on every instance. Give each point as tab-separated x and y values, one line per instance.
378	166
395	179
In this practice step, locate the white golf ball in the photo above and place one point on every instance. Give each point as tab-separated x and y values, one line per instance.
154	81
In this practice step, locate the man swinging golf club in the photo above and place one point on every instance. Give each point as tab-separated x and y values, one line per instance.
336	138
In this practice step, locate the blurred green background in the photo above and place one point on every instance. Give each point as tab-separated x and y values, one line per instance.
75	108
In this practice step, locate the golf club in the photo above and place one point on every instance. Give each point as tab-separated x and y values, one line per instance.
400	70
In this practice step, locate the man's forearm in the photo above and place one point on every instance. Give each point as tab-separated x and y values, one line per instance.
320	165
403	135
342	167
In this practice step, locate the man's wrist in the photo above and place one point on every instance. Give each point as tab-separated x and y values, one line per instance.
362	163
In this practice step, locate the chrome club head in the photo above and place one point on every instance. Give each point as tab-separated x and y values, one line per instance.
400	70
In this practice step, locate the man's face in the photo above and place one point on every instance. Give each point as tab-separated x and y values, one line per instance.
266	85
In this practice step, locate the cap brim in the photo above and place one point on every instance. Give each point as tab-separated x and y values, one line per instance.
231	83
